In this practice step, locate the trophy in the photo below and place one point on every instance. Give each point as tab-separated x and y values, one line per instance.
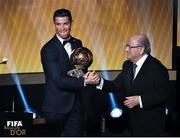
81	59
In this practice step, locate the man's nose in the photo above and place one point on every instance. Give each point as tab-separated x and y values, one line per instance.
62	27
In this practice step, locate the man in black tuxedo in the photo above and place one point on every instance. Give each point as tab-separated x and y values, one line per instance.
144	90
62	101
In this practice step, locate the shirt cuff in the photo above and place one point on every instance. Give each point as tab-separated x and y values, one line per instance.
100	85
85	84
140	102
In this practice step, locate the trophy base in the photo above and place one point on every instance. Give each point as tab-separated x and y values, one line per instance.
75	73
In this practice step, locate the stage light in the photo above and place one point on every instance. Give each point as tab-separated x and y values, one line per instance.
23	98
167	111
4	61
31	111
16	80
116	111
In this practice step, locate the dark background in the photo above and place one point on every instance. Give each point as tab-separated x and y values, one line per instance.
96	107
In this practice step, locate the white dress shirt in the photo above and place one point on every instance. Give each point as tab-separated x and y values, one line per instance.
139	64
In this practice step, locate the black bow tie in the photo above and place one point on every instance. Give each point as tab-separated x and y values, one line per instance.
65	42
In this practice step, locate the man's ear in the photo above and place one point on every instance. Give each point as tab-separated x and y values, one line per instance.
142	50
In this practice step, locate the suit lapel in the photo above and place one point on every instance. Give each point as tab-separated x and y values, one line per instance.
61	49
58	44
143	68
73	42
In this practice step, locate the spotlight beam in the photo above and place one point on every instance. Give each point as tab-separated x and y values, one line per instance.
23	98
116	111
15	77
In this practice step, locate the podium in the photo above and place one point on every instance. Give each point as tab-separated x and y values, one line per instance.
15	124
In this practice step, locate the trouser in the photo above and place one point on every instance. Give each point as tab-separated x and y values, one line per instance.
67	124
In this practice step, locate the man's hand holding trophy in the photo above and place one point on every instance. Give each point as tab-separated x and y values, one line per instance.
81	59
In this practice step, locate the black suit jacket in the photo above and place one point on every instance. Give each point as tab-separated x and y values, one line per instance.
152	84
61	91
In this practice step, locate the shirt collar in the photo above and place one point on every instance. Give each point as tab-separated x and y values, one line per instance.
61	40
140	62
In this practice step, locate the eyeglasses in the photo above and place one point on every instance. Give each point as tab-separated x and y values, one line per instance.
129	46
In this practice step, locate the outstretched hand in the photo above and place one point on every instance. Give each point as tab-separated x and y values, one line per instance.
92	78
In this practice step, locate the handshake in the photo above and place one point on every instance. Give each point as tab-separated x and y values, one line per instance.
91	78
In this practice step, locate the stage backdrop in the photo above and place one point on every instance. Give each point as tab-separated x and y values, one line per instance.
103	26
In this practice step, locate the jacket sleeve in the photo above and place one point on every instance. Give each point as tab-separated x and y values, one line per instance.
54	71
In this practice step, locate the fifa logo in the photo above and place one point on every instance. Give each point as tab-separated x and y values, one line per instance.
14	124
15	128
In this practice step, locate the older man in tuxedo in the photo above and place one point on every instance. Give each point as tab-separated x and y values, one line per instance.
144	86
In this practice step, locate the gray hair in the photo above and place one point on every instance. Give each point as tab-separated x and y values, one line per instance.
144	41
